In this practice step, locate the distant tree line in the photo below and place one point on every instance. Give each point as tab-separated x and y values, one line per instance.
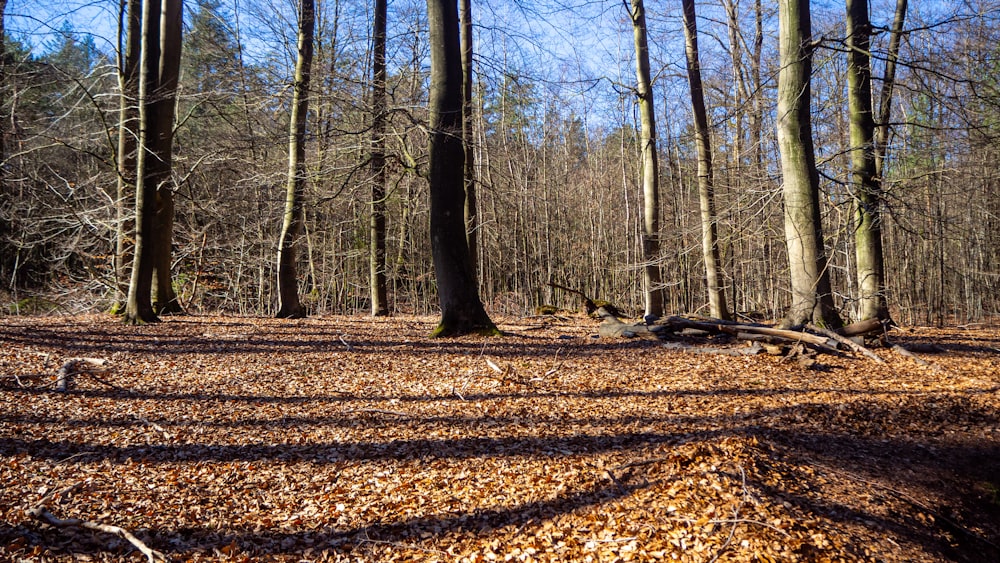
263	162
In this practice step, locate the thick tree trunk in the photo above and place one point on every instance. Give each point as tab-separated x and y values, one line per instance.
652	279
865	184
461	310
812	300
291	227
706	188
164	299
379	299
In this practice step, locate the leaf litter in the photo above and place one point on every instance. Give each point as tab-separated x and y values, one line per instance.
359	439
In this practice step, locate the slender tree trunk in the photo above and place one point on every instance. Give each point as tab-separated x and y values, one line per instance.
128	135
379	299
888	84
652	281
291	227
461	310
865	184
706	188
812	300
3	100
138	306
471	203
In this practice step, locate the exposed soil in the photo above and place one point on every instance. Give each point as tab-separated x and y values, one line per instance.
351	438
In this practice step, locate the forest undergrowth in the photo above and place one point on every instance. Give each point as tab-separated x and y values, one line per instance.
358	439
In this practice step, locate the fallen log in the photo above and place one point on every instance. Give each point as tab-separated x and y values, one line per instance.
861	328
852	345
674	324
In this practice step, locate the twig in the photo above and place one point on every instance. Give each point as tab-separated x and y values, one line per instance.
156	427
346	344
40	513
379	411
74	456
368	539
43	515
735	519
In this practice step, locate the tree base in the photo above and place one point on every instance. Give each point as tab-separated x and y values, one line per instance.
445	330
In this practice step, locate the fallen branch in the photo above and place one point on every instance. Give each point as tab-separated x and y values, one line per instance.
42	514
751	350
379	411
852	345
76	366
346	344
906	353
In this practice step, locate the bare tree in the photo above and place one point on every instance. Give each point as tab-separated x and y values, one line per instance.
471	210
157	96
652	280
378	208
461	310
130	29
164	298
706	188
291	227
865	183
812	300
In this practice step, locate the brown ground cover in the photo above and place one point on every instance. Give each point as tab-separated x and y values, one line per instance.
350	438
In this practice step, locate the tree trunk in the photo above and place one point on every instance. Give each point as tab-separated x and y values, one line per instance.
810	280
128	134
164	299
291	227
706	189
379	299
461	310
865	184
471	202
652	281
888	84
149	168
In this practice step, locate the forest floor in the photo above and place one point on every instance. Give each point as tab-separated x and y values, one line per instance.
359	439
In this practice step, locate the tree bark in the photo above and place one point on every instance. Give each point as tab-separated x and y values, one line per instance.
379	299
810	280
865	184
149	170
291	227
652	280
706	188
128	134
461	310
471	202
164	298
888	84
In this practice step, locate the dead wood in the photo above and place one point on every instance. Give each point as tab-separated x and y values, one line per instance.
861	328
674	324
77	366
908	354
752	350
850	344
613	327
42	514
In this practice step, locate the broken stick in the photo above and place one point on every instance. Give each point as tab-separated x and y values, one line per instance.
42	514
